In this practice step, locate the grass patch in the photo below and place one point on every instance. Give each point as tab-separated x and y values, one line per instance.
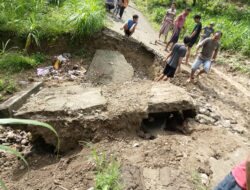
237	63
108	173
16	62
35	19
7	86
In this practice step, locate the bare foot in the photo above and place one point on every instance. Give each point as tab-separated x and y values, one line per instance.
190	80
166	49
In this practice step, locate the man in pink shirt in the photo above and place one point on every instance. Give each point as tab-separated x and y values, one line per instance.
238	178
178	25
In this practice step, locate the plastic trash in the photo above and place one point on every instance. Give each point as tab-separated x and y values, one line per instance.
44	71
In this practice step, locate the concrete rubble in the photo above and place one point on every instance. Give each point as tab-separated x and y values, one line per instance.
76	112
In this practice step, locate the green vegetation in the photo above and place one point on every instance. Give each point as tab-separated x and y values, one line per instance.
35	19
12	151
108	173
7	86
231	19
16	62
196	180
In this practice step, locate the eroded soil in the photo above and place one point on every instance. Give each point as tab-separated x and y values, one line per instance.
172	160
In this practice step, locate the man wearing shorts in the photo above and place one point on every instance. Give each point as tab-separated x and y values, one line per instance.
174	60
130	26
194	36
178	25
208	54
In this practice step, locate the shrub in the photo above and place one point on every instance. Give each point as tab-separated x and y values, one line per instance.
80	17
159	14
86	17
16	62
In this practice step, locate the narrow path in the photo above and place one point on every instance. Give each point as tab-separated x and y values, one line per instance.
147	35
225	95
144	32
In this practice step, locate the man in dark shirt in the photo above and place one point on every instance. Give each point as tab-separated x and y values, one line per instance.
194	36
174	60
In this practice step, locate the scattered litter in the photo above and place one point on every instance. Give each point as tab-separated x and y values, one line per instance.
59	60
44	71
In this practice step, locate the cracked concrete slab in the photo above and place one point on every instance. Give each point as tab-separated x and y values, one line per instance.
166	97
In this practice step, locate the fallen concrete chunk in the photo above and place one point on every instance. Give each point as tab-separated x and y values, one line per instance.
78	113
109	66
8	107
65	100
166	97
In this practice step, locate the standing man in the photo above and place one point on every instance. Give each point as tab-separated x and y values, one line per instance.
210	48
194	36
130	26
123	7
178	25
168	21
110	4
174	60
208	31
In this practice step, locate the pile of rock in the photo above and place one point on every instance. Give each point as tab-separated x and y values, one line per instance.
17	139
207	115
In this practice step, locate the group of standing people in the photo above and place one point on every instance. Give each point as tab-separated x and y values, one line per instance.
209	45
239	177
118	6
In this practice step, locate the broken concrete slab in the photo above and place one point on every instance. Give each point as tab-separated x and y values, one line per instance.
78	113
109	67
12	104
166	97
64	100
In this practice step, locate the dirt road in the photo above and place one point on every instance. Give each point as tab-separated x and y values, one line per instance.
225	95
219	137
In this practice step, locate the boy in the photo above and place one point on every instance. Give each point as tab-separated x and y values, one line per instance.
178	25
130	26
208	54
174	63
208	30
194	36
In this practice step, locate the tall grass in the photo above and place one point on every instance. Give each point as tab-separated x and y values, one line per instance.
79	17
